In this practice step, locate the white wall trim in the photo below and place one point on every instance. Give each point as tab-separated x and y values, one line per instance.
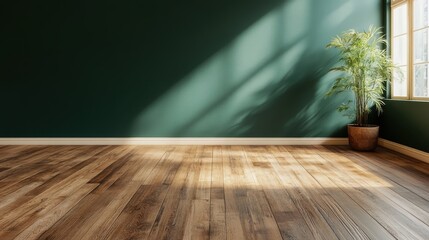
409	151
173	141
412	152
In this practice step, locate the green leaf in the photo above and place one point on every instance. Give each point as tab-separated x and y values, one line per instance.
365	67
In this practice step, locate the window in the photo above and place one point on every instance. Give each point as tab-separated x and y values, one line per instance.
410	48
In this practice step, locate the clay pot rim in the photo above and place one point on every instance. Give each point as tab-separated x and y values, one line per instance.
365	126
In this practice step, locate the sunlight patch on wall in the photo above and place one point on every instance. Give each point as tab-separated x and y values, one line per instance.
341	13
321	109
252	93
213	97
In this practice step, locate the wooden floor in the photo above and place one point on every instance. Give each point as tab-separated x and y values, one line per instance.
211	192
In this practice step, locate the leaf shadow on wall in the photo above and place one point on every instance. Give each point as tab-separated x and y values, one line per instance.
279	91
172	69
297	105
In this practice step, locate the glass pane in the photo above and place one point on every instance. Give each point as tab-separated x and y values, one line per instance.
420	13
421	80
400	82
400	20
421	46
400	50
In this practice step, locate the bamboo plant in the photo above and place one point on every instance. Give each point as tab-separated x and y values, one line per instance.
365	68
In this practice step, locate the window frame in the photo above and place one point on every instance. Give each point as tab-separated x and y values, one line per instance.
410	37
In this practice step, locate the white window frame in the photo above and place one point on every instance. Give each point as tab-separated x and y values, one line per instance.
410	37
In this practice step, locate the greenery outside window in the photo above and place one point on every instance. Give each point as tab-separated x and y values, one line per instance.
410	49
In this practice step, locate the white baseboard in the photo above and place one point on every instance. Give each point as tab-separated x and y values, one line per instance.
412	152
173	141
409	151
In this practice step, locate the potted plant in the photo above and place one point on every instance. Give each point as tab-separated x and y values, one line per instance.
365	68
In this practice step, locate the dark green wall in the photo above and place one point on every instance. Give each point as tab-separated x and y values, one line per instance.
173	68
406	122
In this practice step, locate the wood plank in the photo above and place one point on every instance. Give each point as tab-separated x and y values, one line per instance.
100	209
290	174
211	192
172	214
381	186
385	176
288	217
255	215
236	214
185	214
217	195
380	208
48	220
198	224
139	214
18	193
356	220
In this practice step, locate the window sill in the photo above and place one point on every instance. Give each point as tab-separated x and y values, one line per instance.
406	100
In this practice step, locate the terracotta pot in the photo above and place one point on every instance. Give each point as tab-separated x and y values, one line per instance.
363	138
